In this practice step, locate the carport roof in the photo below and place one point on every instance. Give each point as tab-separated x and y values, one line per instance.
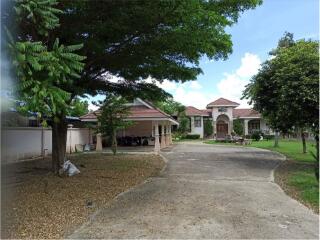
136	113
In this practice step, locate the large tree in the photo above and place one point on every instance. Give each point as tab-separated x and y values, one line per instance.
286	89
78	107
170	106
135	40
42	66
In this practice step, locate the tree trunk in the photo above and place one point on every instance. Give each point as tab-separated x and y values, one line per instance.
59	142
276	139
114	143
303	138
317	156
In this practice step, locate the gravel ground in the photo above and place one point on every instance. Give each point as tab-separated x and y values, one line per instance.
37	204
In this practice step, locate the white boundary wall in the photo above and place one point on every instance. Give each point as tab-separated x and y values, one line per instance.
28	142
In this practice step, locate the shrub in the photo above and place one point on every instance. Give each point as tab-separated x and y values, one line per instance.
268	137
184	124
178	135
256	135
238	126
193	136
208	129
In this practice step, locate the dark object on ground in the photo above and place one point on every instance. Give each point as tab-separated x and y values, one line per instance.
268	137
89	204
256	135
192	136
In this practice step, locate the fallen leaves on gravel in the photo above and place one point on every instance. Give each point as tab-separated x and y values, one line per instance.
47	206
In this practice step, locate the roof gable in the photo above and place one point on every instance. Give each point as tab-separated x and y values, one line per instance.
222	102
138	110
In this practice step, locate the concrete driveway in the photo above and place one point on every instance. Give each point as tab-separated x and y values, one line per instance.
207	191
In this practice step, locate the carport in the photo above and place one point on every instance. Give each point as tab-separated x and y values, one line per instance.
151	126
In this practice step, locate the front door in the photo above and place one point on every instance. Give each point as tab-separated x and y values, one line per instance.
222	130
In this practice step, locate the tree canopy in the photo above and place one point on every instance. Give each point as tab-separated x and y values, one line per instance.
42	67
170	106
78	107
138	39
286	88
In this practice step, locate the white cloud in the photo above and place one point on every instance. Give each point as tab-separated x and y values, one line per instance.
167	85
193	98
271	57
195	85
112	78
92	107
230	87
233	84
250	65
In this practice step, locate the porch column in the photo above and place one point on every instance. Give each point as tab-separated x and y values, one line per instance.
156	138
214	128
167	134
163	137
231	126
246	131
99	142
170	135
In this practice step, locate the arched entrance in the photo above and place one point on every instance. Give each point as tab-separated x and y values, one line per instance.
222	126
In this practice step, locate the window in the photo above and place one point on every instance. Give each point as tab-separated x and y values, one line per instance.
222	109
197	121
253	125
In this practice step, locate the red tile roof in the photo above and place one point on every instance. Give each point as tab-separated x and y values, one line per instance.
90	115
135	112
245	112
223	102
206	112
192	111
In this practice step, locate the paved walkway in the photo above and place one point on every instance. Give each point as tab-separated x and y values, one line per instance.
207	191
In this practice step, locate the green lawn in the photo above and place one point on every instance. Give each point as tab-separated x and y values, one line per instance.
296	176
306	185
187	140
291	148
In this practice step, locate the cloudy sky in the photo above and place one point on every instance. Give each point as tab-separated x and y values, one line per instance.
255	34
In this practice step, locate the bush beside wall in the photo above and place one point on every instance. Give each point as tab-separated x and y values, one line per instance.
192	136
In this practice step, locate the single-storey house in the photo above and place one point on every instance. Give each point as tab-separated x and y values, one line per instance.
151	126
221	113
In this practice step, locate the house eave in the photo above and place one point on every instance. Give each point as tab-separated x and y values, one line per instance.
234	118
139	119
224	105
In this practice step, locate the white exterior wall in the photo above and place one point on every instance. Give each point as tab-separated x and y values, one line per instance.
139	128
216	113
263	125
26	142
196	130
78	136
